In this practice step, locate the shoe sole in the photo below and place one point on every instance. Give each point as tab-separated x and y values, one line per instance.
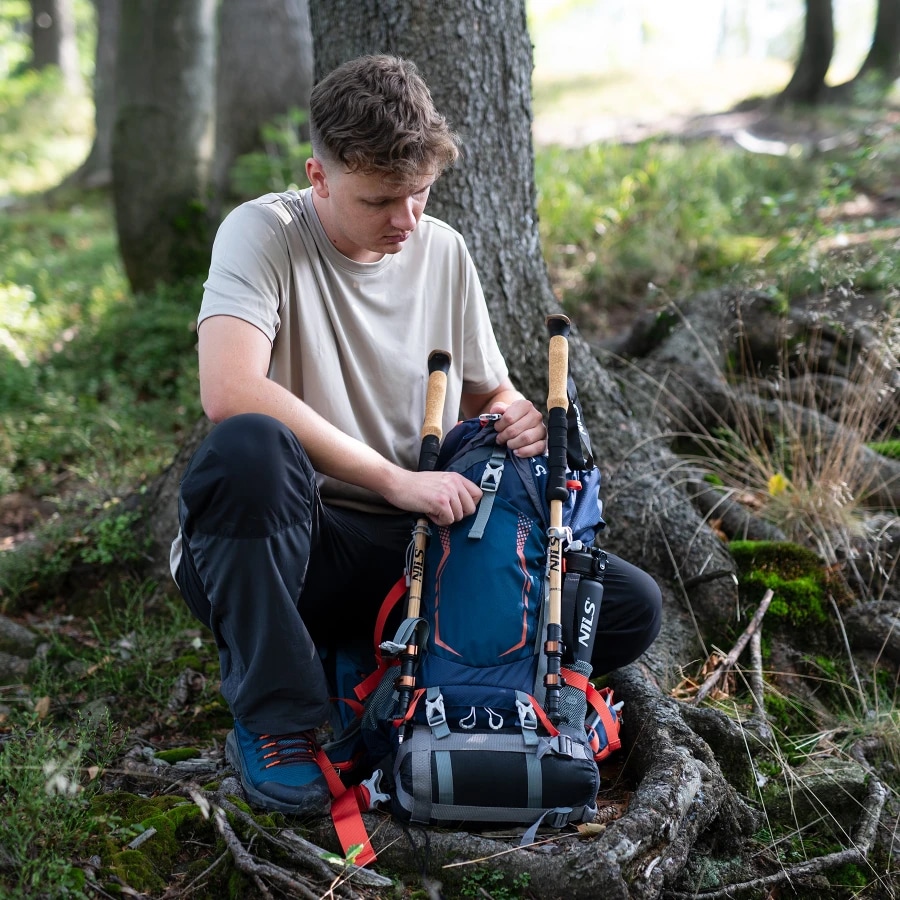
317	803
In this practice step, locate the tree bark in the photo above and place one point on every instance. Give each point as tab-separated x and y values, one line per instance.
883	59
96	170
162	141
53	39
264	70
807	84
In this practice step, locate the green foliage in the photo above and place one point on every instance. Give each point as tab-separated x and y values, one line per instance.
96	382
482	881
630	224
281	166
43	130
113	539
54	750
49	779
891	449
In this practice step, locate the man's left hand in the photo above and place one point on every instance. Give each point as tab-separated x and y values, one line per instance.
521	427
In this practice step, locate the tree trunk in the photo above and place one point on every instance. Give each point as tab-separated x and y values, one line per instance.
96	170
53	39
162	140
264	70
807	84
883	59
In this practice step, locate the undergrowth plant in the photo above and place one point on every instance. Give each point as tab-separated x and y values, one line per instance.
60	740
624	224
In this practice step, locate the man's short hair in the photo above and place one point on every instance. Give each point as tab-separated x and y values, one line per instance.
375	114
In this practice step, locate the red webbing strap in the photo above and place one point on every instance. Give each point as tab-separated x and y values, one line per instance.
346	813
335	785
368	684
354	705
552	730
394	595
575	679
597	701
350	828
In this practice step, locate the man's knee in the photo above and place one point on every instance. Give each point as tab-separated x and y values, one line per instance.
249	475
630	616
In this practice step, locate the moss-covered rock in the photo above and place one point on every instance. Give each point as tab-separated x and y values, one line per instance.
147	836
796	576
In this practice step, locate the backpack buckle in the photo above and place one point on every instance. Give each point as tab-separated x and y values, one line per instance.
435	715
373	788
490	479
527	715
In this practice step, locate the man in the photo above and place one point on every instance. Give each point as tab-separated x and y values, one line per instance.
318	316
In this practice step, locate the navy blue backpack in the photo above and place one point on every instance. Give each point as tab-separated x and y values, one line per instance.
472	743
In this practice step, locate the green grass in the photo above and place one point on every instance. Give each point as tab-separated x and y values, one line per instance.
622	225
94	383
60	737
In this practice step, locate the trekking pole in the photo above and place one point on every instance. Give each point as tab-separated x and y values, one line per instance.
557	494
432	432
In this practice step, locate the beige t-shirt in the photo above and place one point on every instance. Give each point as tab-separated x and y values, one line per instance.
352	339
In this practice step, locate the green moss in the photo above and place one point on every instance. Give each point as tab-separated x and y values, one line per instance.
891	449
788	717
177	754
135	869
172	824
787	559
795	575
123	807
850	875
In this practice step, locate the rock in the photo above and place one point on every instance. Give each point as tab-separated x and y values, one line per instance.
16	639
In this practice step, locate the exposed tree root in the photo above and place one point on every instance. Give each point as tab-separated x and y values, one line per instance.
303	855
680	793
858	853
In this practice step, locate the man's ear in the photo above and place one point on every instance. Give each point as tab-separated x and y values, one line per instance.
317	176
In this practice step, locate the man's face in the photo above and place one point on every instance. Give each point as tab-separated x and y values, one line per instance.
366	216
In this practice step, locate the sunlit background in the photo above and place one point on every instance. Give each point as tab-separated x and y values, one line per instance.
604	65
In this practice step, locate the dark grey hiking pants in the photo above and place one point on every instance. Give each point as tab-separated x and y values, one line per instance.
274	573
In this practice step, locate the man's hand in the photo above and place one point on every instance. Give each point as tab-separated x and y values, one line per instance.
445	497
521	427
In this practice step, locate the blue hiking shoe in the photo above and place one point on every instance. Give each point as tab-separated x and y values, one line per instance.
279	771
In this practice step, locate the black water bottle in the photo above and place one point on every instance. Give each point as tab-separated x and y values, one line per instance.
582	596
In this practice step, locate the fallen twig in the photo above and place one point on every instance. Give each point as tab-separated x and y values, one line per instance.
757	690
260	871
736	651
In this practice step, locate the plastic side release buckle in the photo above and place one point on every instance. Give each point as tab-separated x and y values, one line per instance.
435	715
527	715
490	478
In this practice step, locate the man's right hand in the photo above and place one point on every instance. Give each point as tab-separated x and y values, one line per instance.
445	497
